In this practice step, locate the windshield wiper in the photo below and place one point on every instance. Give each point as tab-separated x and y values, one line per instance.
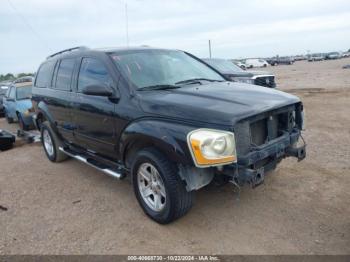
158	87
197	80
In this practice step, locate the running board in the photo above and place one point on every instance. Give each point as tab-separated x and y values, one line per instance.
93	163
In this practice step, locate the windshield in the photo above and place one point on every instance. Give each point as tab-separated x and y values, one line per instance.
223	65
24	92
147	68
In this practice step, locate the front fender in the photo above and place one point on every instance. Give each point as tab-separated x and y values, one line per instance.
170	138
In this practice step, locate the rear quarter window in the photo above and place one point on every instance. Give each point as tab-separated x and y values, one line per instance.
44	75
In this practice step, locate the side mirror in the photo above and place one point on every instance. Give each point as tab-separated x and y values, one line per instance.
97	90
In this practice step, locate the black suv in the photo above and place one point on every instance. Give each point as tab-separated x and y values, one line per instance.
234	73
166	119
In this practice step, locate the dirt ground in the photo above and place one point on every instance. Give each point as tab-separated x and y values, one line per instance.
303	208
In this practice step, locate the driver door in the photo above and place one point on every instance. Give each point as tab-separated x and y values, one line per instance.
93	116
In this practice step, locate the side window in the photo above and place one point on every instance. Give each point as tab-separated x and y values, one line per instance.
92	71
12	93
64	74
44	75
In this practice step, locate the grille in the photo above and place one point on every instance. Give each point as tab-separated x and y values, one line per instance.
267	81
262	128
269	128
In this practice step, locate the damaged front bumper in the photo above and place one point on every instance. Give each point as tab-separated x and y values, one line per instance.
252	167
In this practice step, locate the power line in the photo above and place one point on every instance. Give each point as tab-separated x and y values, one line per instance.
25	21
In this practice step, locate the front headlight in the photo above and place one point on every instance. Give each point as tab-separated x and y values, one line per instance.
212	147
244	80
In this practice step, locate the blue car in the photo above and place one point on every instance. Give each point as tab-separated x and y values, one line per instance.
3	90
17	104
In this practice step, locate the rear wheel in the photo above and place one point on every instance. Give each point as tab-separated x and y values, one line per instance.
51	143
158	187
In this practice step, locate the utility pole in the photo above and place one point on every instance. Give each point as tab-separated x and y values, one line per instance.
127	24
209	49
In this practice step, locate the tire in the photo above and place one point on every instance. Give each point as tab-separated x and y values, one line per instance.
21	123
174	200
48	136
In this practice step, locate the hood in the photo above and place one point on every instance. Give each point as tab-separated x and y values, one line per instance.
23	105
260	73
238	74
222	103
247	74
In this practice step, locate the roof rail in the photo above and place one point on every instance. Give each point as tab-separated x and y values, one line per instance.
68	50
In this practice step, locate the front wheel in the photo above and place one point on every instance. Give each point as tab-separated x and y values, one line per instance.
158	188
51	143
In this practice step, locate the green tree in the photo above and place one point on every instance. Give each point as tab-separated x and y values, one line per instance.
7	77
24	74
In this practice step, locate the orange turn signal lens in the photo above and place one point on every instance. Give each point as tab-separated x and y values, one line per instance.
212	147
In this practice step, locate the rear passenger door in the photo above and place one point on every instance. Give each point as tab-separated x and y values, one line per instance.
62	108
55	85
93	116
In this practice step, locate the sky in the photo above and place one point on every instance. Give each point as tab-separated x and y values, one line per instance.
30	30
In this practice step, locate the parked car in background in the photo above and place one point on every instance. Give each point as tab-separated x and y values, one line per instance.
23	79
3	90
346	54
255	62
333	55
165	118
300	57
280	60
17	104
240	64
315	57
234	73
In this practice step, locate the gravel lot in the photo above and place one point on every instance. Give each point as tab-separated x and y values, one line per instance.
303	208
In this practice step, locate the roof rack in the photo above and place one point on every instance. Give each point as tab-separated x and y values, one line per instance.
68	50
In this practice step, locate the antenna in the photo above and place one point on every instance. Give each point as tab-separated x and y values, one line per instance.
209	49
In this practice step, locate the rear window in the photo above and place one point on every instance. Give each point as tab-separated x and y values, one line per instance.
44	75
64	74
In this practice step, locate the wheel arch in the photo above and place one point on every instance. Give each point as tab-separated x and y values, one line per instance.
42	115
168	138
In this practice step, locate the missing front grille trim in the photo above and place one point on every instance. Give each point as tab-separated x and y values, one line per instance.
258	132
